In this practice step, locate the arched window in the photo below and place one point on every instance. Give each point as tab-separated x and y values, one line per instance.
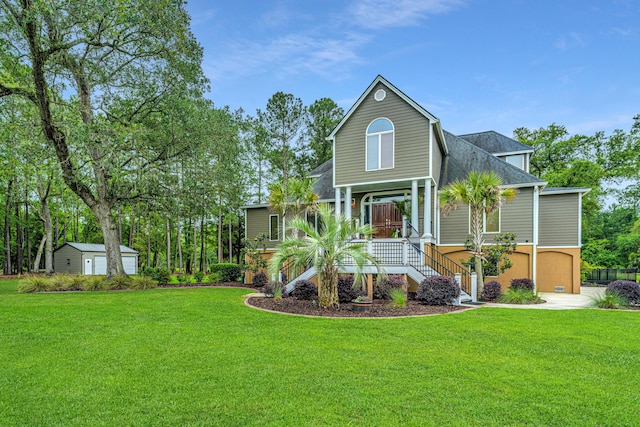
380	140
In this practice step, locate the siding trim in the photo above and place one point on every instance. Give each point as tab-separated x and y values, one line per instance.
381	182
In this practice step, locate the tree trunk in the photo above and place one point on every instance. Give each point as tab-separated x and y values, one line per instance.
328	281
149	242
119	225
102	211
26	228
36	263
19	252
7	229
43	195
57	232
230	242
220	254
168	244
179	239
478	240
132	226
195	244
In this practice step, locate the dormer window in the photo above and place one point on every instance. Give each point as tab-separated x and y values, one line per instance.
517	160
380	141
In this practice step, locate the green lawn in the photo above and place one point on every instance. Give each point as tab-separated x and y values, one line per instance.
200	357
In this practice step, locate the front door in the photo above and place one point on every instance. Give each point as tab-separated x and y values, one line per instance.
88	266
386	220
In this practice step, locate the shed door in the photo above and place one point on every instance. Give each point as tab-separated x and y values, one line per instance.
129	264
88	266
101	264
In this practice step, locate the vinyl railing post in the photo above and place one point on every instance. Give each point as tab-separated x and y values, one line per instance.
458	278
405	254
474	287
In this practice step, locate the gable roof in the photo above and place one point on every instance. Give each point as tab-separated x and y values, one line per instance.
95	247
464	157
326	166
379	79
496	143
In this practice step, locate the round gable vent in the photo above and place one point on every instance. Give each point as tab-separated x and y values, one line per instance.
379	95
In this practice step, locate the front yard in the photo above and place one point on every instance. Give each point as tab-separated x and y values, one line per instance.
201	357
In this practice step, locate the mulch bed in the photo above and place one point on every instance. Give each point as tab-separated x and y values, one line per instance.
380	308
210	285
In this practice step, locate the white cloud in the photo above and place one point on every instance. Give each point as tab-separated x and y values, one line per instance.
203	17
569	41
398	13
288	55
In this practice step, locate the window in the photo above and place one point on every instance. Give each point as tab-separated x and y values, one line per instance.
492	222
274	227
517	160
380	140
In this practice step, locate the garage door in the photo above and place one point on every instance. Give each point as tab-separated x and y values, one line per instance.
100	265
129	264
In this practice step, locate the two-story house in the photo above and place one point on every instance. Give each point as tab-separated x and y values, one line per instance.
388	149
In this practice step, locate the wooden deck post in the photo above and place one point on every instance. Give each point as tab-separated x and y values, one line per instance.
370	286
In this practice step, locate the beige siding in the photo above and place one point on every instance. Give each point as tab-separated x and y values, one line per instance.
559	220
60	260
516	217
258	223
411	155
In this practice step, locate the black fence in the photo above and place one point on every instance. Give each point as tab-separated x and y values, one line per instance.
604	276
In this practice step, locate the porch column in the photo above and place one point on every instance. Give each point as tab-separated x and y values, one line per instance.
414	207
428	232
338	201
347	203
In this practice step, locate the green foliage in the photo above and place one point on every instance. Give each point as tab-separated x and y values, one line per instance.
520	296
610	300
119	282
159	274
226	272
35	284
586	269
95	283
324	115
183	279
598	252
143	283
496	256
199	276
397	297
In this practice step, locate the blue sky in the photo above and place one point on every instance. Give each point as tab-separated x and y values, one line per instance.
475	64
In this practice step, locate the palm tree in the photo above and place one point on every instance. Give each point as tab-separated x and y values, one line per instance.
482	192
297	197
326	249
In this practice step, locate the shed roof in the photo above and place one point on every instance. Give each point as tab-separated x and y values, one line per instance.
96	247
496	143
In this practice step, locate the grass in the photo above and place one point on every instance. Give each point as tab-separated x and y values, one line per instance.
610	300
200	357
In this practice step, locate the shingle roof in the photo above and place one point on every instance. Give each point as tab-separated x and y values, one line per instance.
95	247
323	186
464	157
495	142
326	166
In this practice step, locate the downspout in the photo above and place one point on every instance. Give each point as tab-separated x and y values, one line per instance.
536	195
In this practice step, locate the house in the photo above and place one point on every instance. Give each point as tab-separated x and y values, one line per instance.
90	259
388	148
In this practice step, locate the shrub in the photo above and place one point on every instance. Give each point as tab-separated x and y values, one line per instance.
384	285
183	279
346	293
610	300
626	289
492	291
273	288
397	298
69	283
260	279
438	290
524	283
35	284
119	282
142	283
520	296
199	276
305	290
95	283
228	272
159	274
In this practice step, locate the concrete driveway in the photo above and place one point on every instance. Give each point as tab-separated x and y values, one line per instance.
559	301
